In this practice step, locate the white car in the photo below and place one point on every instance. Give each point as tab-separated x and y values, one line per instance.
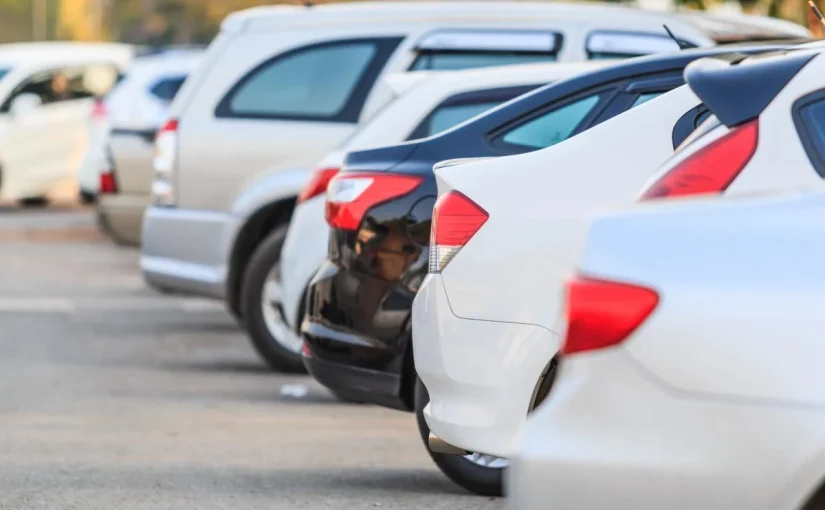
432	103
483	331
690	374
47	93
482	381
773	136
137	105
281	86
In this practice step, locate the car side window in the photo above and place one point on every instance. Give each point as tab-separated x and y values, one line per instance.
612	44
460	107
644	98
328	81
446	61
66	84
809	117
551	127
166	89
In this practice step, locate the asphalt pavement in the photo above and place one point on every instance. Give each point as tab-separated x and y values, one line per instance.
113	396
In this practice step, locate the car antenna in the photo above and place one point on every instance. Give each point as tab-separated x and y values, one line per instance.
817	11
683	45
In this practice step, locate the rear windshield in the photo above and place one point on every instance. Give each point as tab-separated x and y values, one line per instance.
441	61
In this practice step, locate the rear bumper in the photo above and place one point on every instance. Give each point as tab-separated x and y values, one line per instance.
356	349
186	250
481	375
358	384
610	435
121	216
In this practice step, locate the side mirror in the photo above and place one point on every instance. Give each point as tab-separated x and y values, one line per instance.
25	103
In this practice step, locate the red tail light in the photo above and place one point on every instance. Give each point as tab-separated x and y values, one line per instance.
712	168
108	184
602	313
99	111
317	184
351	195
456	219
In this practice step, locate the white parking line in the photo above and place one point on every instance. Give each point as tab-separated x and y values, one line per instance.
80	305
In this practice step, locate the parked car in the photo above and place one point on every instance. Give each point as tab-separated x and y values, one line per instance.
671	391
357	326
136	108
771	137
427	105
99	127
281	86
47	93
467	318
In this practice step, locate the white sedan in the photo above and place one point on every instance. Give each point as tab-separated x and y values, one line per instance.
483	321
484	329
691	371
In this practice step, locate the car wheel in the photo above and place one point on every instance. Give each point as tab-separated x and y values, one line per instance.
40	201
477	473
87	197
277	343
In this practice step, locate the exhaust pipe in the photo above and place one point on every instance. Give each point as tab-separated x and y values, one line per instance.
438	445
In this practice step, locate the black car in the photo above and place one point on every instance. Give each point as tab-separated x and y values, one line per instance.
356	328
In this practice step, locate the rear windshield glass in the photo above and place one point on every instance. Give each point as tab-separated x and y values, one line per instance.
470	60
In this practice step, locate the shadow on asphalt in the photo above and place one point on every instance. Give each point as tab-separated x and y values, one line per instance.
222	367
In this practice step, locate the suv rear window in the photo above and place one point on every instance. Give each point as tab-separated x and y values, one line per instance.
809	117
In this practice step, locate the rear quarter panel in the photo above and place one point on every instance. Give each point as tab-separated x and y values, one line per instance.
741	292
539	203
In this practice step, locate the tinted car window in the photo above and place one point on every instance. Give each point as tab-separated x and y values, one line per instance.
315	82
552	127
167	88
812	120
446	117
476	59
643	98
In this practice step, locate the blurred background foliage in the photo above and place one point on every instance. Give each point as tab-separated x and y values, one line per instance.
158	22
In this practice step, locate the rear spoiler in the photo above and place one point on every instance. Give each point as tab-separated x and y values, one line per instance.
736	89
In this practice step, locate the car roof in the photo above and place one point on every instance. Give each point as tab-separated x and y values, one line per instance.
171	62
60	52
284	16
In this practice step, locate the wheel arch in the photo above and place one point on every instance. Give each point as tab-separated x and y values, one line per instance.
258	225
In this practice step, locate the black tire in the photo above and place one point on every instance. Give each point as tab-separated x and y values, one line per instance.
87	197
40	201
475	478
266	255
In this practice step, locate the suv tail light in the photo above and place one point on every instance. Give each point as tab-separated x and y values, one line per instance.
108	182
350	195
99	110
712	168
456	219
165	160
603	313
317	184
